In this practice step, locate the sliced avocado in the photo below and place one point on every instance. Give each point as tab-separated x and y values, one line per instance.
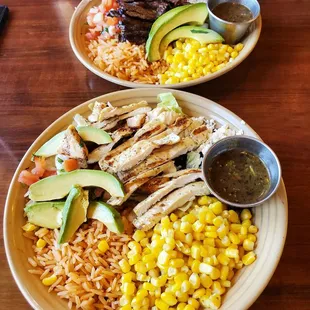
45	214
106	214
195	13
73	213
87	133
201	34
58	186
50	147
163	19
93	134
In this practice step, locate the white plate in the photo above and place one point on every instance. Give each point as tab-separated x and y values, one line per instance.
77	41
271	218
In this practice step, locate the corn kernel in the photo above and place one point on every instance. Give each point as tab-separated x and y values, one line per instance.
248	245
253	229
29	227
163	258
205	280
243	230
135	246
148	286
185	286
125	267
125	300
194	280
144	242
126	307
248	258
198	226
194	303
128	288
41	243
49	280
139	235
182	297
173	217
133	259
169	298
181	306
216	207
223	259
233	237
128	277
245	214
239	47
252	237
103	246
185	227
177	262
161	305
247	223
204	200
140	267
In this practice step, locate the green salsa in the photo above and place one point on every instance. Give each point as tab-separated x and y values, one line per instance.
238	176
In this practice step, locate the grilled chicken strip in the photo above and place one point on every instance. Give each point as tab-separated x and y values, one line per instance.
102	150
96	110
135	183
72	145
136	121
166	153
161	114
155	184
180	181
110	112
140	150
80	120
173	201
110	123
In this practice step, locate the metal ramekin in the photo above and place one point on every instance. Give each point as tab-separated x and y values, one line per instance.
232	32
250	144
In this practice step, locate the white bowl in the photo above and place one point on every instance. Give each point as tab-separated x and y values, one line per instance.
271	217
77	41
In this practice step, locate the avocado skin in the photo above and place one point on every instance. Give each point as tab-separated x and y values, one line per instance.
73	213
45	214
106	214
195	13
58	186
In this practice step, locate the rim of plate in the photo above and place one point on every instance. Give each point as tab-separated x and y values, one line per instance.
137	94
76	40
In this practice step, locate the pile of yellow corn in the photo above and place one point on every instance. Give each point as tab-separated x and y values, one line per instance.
188	260
191	59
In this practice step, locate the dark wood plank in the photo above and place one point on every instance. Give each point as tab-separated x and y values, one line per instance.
40	79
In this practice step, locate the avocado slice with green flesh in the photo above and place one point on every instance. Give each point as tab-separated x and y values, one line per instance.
50	147
195	13
45	214
201	34
73	213
93	134
87	133
58	186
106	214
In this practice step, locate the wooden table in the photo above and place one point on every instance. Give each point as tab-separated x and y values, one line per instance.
40	79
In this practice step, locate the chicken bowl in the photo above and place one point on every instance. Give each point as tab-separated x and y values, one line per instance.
113	207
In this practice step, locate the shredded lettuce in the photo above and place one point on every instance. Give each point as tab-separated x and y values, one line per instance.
193	160
167	101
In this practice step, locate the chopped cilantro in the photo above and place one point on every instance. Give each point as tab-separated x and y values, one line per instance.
60	160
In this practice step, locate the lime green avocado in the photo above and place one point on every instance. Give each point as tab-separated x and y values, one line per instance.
201	34
93	134
45	214
194	13
87	133
58	186
73	213
106	214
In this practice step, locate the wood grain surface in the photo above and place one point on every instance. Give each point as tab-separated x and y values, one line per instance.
40	79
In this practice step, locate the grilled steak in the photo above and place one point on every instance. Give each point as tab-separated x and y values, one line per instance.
138	17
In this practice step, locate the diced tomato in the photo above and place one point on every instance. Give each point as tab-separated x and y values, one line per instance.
49	173
115	5
40	166
112	21
71	164
27	178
